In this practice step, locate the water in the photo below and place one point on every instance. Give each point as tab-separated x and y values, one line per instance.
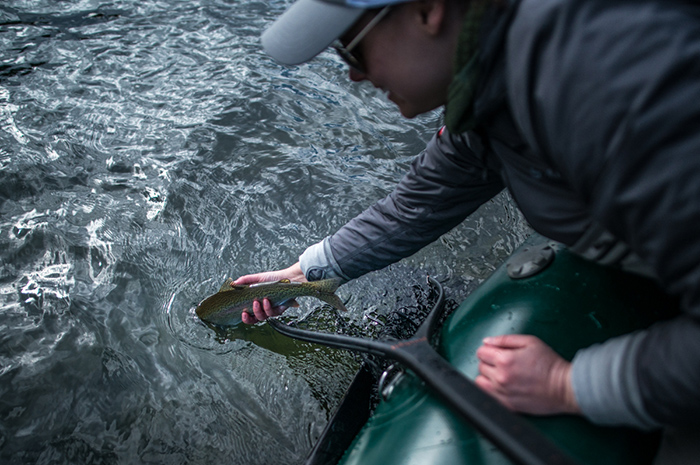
147	151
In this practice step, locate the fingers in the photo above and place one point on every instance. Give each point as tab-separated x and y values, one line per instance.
506	353
487	354
493	373
254	278
525	375
501	350
490	388
265	310
494	355
293	273
500	380
261	312
247	318
502	360
510	341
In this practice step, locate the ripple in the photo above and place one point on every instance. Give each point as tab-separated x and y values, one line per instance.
186	327
147	152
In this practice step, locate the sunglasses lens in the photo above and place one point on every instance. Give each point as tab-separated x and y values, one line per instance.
346	52
349	58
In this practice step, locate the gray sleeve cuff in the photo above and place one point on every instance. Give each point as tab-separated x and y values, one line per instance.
604	379
317	262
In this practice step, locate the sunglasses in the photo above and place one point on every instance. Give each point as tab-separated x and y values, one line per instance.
345	52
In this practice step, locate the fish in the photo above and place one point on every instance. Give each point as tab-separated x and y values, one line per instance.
225	307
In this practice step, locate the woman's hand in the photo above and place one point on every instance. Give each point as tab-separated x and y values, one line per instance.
263	310
526	375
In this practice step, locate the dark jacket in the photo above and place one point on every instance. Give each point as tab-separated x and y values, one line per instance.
589	113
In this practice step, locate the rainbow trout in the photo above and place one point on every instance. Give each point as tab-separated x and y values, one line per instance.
224	308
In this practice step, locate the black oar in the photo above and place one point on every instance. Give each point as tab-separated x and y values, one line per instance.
513	435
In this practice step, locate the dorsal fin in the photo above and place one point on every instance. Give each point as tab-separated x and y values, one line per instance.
227	285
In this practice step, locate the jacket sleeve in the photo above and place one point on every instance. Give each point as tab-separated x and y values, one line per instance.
609	91
445	183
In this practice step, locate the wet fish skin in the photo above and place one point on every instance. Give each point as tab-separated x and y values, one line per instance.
224	308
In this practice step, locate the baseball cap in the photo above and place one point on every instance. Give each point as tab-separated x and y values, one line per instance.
308	27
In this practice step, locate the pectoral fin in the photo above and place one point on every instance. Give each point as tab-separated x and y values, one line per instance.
288	303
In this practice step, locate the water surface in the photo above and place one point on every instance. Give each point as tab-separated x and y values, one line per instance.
148	150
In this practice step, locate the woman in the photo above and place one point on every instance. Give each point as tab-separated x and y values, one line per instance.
589	113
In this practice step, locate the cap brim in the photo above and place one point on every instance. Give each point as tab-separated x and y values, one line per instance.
306	29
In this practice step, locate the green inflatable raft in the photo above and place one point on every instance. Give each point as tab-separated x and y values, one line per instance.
543	290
